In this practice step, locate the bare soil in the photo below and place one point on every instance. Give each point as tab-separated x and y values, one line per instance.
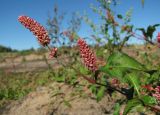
59	99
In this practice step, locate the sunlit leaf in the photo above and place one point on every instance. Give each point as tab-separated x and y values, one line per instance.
100	93
134	80
118	64
148	100
116	109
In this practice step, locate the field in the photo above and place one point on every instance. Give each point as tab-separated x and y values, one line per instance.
41	86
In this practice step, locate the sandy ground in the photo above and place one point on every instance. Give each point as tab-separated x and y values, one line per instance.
59	99
55	99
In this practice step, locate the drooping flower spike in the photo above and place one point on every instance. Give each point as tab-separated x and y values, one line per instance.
38	30
89	59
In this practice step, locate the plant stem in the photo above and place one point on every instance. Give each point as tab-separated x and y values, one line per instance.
141	37
110	87
155	107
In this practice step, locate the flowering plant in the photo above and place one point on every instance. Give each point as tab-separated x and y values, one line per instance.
120	67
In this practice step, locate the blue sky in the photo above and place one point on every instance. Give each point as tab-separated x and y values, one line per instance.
14	35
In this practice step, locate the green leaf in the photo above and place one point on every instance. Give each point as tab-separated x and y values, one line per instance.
151	29
93	88
59	79
98	40
148	100
75	35
134	80
131	104
83	70
100	93
154	78
67	103
116	109
119	16
106	28
148	33
118	64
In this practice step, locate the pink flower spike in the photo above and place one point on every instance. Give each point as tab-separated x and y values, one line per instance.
157	93
89	59
158	37
157	89
53	52
38	30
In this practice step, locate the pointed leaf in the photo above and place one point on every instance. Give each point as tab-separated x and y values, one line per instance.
100	93
148	100
133	79
118	64
116	109
131	104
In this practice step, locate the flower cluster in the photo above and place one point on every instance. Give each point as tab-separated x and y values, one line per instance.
38	30
157	93
89	59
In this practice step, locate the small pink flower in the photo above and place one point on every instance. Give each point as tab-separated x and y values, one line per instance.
157	89
157	93
38	30
89	59
53	52
158	37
